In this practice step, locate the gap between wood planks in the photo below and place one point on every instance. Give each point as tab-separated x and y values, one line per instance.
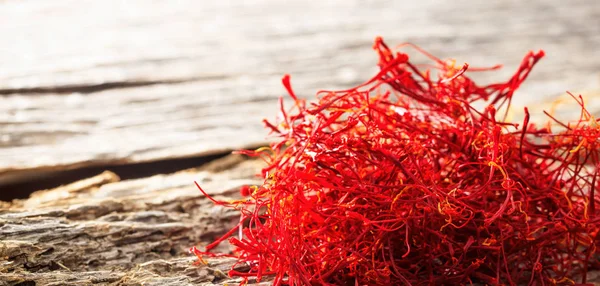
40	180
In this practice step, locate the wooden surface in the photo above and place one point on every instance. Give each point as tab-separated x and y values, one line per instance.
114	82
106	231
86	83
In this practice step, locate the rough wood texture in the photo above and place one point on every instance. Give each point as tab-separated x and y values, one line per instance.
97	82
104	231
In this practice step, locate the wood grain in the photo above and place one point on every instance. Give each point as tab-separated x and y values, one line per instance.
115	82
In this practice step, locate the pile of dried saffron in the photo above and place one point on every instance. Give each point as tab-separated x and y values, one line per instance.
402	181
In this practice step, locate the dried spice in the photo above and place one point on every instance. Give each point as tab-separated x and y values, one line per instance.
403	181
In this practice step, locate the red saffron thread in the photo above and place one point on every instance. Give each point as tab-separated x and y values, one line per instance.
402	181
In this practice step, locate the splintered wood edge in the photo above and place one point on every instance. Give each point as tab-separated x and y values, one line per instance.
13	175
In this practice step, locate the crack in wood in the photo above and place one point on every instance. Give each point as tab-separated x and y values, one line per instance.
92	88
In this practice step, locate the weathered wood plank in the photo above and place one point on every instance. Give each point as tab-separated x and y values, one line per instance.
105	231
97	82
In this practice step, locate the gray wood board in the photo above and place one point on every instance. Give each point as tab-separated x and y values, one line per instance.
115	82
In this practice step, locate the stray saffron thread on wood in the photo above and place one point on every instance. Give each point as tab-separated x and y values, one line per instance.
402	181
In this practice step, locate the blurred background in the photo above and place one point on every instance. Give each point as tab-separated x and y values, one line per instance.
149	87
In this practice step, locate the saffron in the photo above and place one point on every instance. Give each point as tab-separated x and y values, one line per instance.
403	181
